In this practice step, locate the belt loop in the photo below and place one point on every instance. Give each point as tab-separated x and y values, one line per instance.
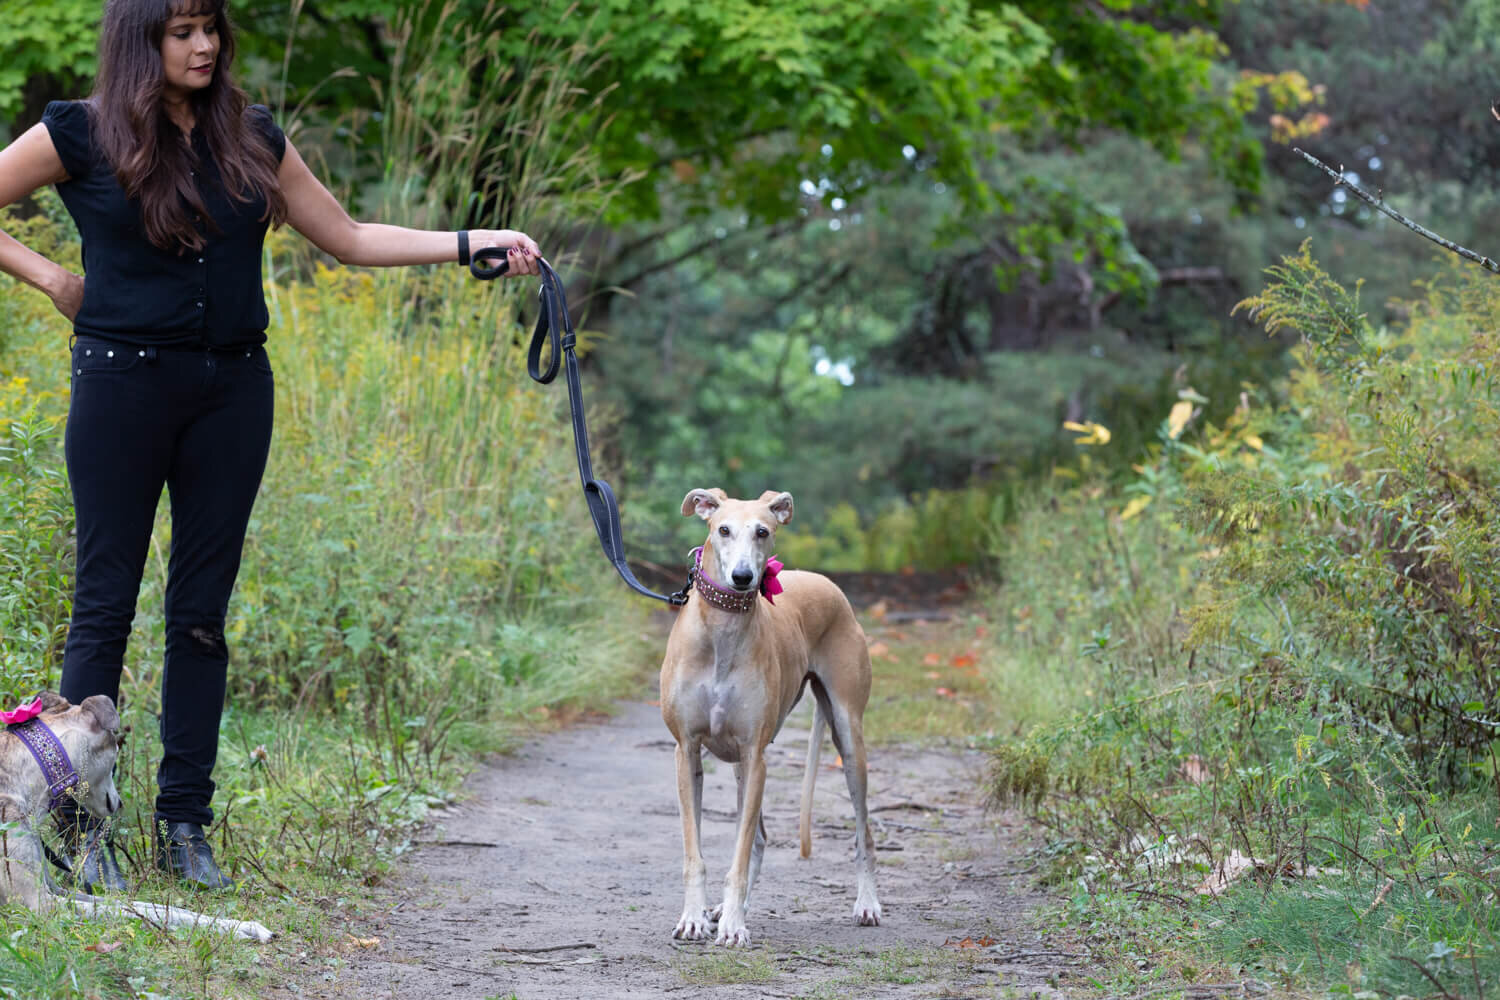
151	354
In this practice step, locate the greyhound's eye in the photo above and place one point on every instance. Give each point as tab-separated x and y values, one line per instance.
761	531
724	530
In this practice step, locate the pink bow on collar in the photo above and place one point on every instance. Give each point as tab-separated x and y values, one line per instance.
769	585
25	713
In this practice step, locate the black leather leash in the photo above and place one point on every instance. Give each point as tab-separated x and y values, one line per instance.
490	263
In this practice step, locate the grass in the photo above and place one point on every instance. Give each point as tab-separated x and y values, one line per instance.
722	968
420	585
1159	754
930	683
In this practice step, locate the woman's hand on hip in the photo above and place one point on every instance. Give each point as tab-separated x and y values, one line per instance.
523	255
67	294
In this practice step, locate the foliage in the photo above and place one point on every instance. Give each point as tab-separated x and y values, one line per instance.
36	573
726	103
419	582
1292	726
54	39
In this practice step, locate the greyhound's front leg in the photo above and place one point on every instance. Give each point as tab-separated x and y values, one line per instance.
695	922
732	930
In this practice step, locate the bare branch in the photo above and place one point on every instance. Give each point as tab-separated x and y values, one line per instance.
1380	205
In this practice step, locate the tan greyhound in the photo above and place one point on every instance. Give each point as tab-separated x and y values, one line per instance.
735	666
90	735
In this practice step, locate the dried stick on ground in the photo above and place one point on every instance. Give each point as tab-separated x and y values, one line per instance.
1380	205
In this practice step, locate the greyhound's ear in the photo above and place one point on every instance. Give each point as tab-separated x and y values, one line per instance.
52	701
780	503
703	503
102	708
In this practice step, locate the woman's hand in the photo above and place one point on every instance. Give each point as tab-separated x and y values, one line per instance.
67	294
523	255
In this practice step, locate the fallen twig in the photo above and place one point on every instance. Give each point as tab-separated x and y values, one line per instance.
1045	953
1379	205
917	806
1183	988
554	947
457	843
428	963
917	829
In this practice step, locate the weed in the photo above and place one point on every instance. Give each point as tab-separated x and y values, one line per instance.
720	969
1275	747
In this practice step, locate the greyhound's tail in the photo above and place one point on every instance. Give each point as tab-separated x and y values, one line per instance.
810	778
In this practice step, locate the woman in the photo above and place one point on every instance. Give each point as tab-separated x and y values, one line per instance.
173	180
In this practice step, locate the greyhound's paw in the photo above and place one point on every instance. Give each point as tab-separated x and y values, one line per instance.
694	925
733	934
867	912
252	931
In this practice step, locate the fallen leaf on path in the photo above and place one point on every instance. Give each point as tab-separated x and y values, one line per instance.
969	942
104	948
932	675
945	693
878	610
879	649
360	942
932	659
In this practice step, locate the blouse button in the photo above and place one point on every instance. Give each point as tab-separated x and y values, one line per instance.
200	305
200	260
109	354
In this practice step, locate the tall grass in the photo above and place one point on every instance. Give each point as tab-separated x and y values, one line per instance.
1272	752
420	578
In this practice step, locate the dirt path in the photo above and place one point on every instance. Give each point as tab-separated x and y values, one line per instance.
560	879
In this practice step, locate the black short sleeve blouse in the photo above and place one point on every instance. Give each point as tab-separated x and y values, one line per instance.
136	292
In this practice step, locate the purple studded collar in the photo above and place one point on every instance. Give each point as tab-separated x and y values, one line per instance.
50	756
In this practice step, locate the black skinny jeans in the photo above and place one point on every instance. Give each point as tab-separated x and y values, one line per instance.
198	422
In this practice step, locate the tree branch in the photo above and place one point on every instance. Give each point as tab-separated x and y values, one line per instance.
772	233
1380	205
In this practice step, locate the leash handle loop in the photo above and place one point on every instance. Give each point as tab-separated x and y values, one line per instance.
554	331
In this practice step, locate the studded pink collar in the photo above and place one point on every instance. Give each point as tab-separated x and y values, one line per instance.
736	601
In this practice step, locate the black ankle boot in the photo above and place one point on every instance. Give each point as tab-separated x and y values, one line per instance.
88	849
182	850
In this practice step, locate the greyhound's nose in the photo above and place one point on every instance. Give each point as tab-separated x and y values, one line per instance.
113	803
742	577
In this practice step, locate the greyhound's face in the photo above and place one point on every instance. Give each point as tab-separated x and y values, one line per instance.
741	534
91	733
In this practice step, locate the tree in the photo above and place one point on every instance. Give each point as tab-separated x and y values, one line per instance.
46	50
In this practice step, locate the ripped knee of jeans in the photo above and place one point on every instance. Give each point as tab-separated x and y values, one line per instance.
209	639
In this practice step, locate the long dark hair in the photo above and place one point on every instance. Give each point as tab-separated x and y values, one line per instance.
144	145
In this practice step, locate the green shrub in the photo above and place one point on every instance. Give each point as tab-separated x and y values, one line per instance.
1281	650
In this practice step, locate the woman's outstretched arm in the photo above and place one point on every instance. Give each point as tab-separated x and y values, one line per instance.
29	163
317	214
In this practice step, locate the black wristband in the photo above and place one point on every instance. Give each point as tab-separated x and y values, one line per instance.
463	248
